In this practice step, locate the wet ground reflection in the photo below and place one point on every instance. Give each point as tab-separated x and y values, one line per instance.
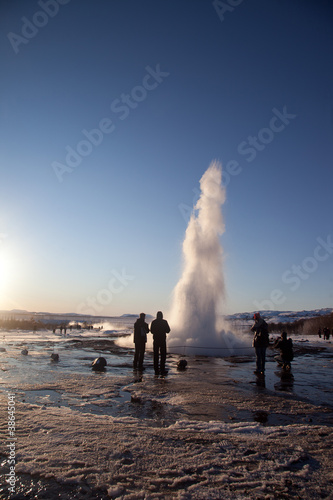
42	381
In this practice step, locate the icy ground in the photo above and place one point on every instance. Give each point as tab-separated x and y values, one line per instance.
213	431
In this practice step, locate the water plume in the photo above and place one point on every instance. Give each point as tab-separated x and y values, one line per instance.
200	293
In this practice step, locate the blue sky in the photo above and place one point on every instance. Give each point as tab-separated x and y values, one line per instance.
111	111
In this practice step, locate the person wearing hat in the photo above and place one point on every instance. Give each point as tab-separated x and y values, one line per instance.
260	342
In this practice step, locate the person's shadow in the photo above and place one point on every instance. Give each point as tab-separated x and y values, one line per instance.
260	380
286	382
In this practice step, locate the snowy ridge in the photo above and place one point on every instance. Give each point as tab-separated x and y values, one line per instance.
271	315
281	316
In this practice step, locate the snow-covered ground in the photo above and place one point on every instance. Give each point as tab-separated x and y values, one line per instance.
212	431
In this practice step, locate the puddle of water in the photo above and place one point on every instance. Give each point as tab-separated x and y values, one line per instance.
310	377
46	397
28	486
95	403
38	366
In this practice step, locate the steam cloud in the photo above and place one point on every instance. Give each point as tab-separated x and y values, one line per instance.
200	292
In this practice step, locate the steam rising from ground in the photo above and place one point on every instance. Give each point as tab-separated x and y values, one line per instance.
200	292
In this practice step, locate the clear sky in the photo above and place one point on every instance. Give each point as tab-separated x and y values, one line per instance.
111	111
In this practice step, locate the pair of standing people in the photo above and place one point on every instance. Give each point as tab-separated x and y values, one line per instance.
159	328
261	342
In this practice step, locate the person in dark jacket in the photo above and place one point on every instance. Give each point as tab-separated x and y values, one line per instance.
159	328
260	342
140	338
286	349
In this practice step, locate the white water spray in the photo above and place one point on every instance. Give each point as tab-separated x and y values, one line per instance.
200	292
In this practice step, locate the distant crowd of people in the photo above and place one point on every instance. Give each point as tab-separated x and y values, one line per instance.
63	328
326	333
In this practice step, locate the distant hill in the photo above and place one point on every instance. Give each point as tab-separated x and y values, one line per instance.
17	311
22	314
246	317
281	316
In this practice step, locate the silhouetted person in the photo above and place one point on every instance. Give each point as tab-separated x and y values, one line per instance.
140	338
286	349
326	333
260	342
159	328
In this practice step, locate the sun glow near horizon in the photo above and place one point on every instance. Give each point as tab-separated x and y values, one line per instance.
9	276
5	272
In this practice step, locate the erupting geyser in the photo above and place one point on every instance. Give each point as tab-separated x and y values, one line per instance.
199	295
